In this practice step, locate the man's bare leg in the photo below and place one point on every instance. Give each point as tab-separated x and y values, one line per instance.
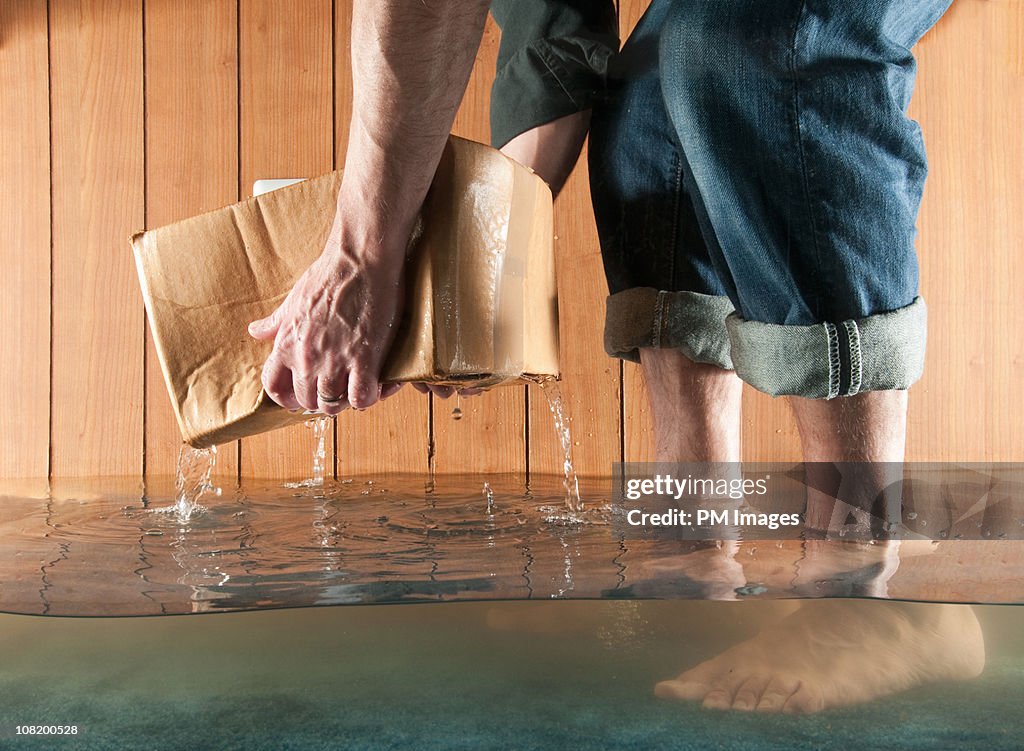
696	412
868	432
836	653
695	406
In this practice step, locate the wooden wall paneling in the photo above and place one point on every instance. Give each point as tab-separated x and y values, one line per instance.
393	436
970	88
25	240
491	436
191	161
769	432
286	130
97	151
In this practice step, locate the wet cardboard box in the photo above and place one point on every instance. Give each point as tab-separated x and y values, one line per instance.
480	308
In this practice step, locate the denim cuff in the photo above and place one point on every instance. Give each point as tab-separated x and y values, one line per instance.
878	353
688	321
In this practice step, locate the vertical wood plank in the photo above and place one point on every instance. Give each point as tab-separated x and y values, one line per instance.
25	240
98	335
769	432
191	160
491	437
287	130
590	379
638	444
968	100
393	436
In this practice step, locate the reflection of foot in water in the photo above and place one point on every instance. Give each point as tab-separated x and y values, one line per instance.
837	653
711	566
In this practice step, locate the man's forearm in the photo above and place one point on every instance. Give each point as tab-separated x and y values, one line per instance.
410	65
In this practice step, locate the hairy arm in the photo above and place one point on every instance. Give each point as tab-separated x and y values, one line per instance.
411	62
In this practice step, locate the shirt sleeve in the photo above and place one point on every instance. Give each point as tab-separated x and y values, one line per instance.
551	63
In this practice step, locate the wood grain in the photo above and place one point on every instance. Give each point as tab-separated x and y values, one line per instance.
98	334
25	240
969	101
393	436
191	161
286	131
491	437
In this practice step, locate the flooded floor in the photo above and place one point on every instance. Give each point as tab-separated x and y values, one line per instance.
551	675
101	552
493	615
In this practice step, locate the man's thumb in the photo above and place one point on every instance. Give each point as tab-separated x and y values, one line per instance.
265	328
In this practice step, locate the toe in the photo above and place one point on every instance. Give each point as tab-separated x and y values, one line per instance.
680	690
723	690
777	693
717	698
804	701
749	694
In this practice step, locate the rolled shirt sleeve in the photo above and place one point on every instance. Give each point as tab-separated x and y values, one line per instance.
551	63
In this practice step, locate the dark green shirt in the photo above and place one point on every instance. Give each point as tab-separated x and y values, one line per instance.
552	61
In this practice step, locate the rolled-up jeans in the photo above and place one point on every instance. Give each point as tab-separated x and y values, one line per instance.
756	182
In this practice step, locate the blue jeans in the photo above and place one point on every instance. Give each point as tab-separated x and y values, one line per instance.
756	183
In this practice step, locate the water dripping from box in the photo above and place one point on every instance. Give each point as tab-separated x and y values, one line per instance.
553	394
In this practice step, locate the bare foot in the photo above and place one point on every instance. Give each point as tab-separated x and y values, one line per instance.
837	653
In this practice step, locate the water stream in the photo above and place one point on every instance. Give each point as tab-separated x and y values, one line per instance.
553	393
319	426
192	481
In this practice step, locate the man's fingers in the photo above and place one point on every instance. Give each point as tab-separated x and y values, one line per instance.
277	382
305	391
332	395
389	389
421	387
266	328
363	390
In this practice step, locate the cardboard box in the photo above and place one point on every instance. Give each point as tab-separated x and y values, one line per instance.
480	309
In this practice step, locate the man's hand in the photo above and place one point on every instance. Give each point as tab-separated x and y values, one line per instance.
332	332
